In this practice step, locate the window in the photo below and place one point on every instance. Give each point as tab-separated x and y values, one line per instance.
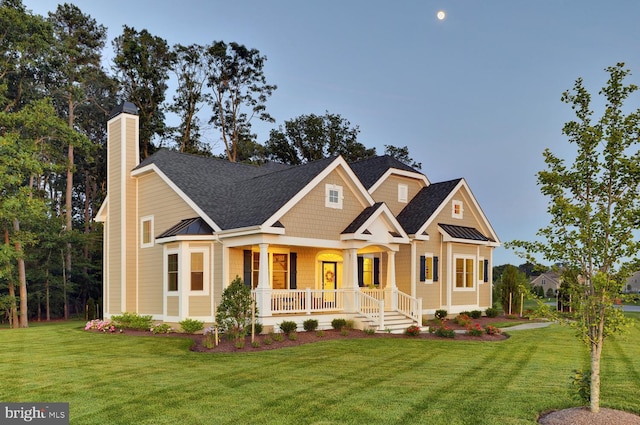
428	268
146	233
197	271
255	269
481	270
280	271
403	193
172	272
333	196
464	273
456	209
367	270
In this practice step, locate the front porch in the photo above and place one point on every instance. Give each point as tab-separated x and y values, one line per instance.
381	309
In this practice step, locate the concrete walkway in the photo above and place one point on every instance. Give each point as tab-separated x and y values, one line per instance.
525	326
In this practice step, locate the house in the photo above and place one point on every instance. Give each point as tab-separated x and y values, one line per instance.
548	280
633	284
374	241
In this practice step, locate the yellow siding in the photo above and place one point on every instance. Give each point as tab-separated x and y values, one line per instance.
311	219
387	192
403	269
199	306
115	219
172	306
157	199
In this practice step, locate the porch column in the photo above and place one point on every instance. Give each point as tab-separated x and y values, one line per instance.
390	288
350	280
263	291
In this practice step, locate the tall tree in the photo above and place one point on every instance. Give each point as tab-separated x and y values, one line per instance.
190	97
594	207
80	42
25	41
312	137
142	63
402	155
239	91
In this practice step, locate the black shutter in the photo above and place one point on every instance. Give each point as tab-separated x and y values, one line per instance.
360	271
293	269
435	269
486	270
423	265
248	258
376	271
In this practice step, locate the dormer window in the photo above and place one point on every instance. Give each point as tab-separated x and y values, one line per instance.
403	193
333	196
456	209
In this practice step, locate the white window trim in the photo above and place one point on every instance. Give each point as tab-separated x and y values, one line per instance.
426	280
165	272
453	209
205	269
403	193
328	188
473	275
142	242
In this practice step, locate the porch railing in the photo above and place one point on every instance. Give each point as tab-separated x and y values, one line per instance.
306	301
409	306
371	307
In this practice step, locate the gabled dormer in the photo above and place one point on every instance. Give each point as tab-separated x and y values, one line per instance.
390	181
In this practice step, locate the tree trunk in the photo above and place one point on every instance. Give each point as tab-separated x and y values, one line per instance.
13	311
597	342
22	277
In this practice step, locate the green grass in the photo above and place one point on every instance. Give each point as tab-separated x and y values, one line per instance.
120	379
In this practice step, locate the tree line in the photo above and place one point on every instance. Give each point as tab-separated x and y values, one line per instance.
55	97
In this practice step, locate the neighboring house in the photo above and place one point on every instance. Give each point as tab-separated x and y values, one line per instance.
633	284
548	280
373	241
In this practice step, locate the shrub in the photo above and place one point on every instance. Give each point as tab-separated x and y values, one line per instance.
239	344
412	330
445	331
310	325
344	331
441	314
292	336
210	337
349	324
369	331
492	312
277	337
267	340
475	330
288	326
191	326
320	333
255	344
234	312
475	314
100	325
132	321
338	324
163	328
462	320
492	330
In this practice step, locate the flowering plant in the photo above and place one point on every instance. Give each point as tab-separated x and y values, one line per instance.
492	330
210	337
161	328
100	325
474	330
413	330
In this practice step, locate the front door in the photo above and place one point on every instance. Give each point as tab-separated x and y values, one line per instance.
329	281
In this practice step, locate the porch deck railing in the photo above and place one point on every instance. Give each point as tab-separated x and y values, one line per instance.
409	306
306	301
371	307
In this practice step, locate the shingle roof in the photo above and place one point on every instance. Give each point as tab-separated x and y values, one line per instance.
233	194
424	204
370	170
462	232
362	218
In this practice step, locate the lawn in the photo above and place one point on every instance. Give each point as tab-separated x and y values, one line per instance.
120	379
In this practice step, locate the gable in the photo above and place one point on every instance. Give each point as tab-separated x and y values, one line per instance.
309	216
387	191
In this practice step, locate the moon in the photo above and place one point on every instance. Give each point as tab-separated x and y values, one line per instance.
441	15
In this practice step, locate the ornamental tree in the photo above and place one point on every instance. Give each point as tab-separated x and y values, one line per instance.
233	315
594	207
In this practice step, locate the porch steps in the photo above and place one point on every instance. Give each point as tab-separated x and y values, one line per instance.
394	322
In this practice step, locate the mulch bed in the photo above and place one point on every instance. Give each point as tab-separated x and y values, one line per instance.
229	346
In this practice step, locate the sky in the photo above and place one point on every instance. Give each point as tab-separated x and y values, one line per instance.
476	95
